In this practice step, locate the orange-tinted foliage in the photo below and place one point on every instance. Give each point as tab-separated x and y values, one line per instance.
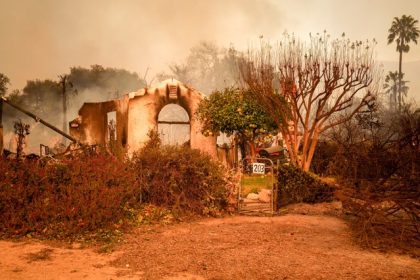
77	195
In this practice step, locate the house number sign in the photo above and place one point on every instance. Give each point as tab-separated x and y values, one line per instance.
258	168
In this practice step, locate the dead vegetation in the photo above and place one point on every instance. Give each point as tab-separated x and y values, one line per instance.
41	255
377	161
181	179
65	198
96	196
386	216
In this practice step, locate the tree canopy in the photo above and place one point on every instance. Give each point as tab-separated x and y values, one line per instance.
208	68
40	96
403	30
324	81
109	82
97	83
233	111
4	81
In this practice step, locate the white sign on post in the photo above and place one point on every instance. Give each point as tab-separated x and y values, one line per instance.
258	168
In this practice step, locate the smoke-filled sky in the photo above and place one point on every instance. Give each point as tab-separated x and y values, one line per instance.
44	38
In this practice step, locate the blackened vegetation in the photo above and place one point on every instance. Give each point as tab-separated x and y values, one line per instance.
377	158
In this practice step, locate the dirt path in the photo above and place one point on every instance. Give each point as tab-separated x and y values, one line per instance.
286	247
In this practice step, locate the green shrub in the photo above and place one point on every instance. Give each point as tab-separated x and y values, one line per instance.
297	186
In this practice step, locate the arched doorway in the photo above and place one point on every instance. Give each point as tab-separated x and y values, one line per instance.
174	125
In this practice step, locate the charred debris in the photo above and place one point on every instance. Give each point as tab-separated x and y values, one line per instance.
22	130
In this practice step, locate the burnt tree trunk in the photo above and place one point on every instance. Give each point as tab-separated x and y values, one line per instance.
399	81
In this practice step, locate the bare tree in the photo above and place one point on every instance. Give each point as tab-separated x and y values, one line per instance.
324	82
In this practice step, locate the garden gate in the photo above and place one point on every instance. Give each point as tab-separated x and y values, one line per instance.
257	190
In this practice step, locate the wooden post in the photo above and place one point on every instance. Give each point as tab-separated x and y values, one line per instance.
235	152
1	127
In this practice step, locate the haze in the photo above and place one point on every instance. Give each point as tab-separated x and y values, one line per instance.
41	39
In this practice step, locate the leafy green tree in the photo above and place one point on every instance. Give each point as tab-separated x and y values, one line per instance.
4	81
403	30
391	88
233	111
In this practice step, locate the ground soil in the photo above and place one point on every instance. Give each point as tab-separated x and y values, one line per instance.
306	243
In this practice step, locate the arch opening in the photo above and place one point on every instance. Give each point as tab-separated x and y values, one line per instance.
174	125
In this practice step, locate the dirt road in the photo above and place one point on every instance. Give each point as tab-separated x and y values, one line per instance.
285	247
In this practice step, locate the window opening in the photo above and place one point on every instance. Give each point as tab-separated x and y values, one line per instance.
174	125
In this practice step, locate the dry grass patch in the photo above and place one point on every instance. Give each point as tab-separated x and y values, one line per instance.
41	255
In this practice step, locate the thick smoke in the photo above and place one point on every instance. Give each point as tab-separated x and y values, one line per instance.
133	35
42	39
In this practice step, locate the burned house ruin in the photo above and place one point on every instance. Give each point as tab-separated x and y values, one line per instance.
127	121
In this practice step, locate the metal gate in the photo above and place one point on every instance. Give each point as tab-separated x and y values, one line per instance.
257	189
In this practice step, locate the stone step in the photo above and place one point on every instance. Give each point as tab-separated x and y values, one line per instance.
255	209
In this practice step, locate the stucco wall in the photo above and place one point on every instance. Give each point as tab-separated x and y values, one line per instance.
91	125
137	114
141	120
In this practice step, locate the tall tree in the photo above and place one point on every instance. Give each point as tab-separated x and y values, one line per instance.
403	30
326	82
391	88
66	86
40	97
4	81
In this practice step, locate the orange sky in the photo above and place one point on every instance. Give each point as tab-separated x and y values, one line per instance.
44	38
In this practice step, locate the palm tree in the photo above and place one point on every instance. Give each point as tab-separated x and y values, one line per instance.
403	30
65	85
391	87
